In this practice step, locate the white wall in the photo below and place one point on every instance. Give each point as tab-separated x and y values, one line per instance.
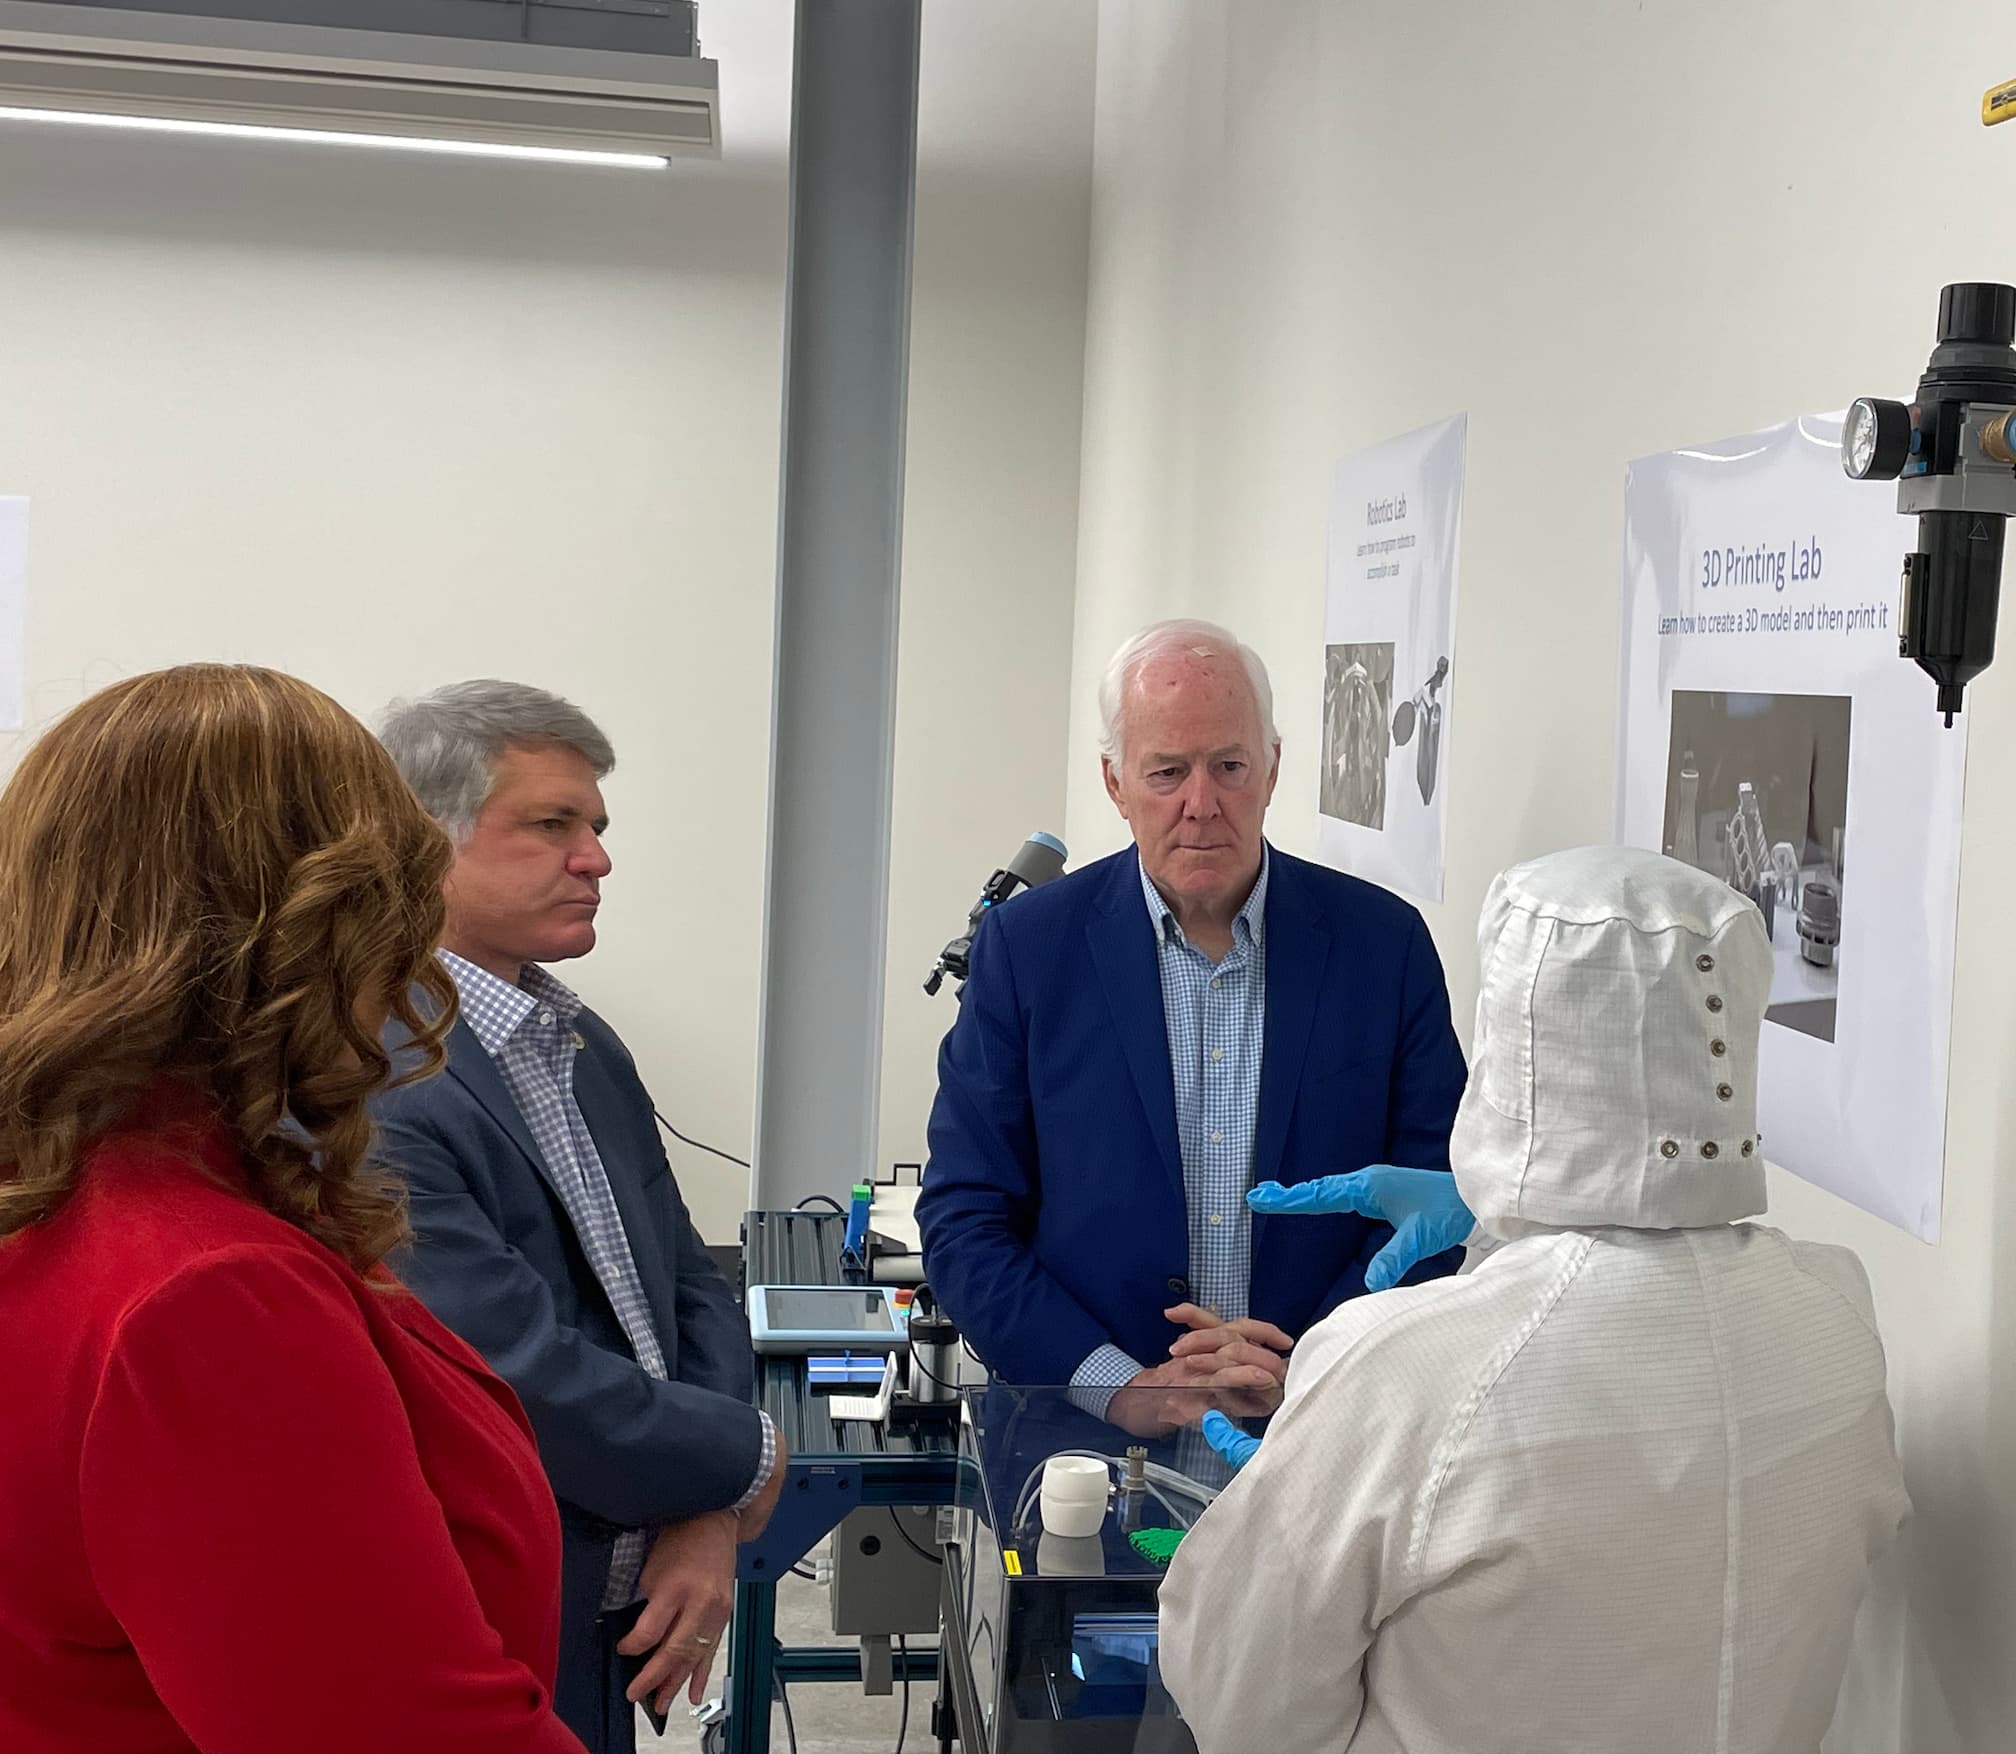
389	422
1603	230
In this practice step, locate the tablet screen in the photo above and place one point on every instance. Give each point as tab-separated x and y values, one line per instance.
826	1309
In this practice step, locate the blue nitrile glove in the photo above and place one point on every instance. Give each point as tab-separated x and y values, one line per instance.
1422	1205
1228	1440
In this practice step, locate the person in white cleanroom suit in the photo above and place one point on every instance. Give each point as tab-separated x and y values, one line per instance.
1615	1490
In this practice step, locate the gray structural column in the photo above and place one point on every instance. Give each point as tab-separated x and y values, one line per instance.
839	551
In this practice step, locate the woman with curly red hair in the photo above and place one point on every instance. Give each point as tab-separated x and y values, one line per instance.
251	1495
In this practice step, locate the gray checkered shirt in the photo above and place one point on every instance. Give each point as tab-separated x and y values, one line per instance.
528	1029
1216	1017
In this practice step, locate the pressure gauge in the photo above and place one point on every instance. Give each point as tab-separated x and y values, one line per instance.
1876	439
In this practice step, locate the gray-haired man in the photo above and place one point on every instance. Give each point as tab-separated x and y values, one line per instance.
548	1230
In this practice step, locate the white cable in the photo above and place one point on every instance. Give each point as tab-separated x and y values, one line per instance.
1183	1483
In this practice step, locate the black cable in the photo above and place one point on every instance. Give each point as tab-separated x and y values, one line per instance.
698	1144
903	1728
820	1200
800	1571
910	1540
784	1699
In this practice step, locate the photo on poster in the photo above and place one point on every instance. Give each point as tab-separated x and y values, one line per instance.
1357	717
1418	721
1757	794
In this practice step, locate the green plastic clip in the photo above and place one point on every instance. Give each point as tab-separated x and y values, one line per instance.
1157	1546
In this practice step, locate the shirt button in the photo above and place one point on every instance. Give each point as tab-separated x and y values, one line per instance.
546	1017
1217	1053
1217	1138
1217	1217
1214	983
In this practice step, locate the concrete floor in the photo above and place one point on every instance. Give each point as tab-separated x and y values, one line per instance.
831	1718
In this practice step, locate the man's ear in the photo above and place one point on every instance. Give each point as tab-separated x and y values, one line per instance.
1113	785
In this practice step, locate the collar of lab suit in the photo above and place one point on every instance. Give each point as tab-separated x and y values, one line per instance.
1613	1076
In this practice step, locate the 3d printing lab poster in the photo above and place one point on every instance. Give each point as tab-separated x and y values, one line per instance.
13	610
1772	736
1389	650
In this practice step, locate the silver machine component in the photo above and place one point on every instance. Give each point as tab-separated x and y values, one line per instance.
885	1582
934	1354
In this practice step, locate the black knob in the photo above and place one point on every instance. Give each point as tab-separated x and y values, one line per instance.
1977	310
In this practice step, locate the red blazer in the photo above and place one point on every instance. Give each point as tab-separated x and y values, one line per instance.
247	1501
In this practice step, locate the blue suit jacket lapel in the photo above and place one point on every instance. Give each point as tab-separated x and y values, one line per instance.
1298	953
1122	942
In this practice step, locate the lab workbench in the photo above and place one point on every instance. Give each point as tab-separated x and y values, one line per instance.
833	1468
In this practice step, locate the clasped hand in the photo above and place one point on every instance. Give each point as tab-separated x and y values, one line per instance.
1237	1366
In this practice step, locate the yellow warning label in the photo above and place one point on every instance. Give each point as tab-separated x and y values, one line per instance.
1011	1562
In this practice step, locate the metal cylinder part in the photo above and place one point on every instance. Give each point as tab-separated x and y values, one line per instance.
1997	441
934	1351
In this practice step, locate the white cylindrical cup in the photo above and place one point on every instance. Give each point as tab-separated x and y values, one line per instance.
1074	1496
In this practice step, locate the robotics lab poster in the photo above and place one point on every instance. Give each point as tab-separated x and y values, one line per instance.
1389	653
1771	735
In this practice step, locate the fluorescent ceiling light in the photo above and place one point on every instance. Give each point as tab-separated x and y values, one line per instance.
643	161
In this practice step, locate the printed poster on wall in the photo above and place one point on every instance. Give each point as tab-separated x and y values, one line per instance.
13	610
1772	736
1389	655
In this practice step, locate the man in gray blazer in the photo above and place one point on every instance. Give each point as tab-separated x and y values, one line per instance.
549	1231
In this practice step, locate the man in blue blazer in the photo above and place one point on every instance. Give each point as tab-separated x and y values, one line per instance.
1142	1042
548	1230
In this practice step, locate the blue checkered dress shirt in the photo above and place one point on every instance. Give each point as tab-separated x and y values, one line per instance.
528	1029
1215	1014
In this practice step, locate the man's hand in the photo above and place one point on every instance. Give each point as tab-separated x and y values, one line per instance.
1181	1392
755	1517
1246	1341
688	1586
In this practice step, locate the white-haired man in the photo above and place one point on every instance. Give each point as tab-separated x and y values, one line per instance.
548	1230
1143	1040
